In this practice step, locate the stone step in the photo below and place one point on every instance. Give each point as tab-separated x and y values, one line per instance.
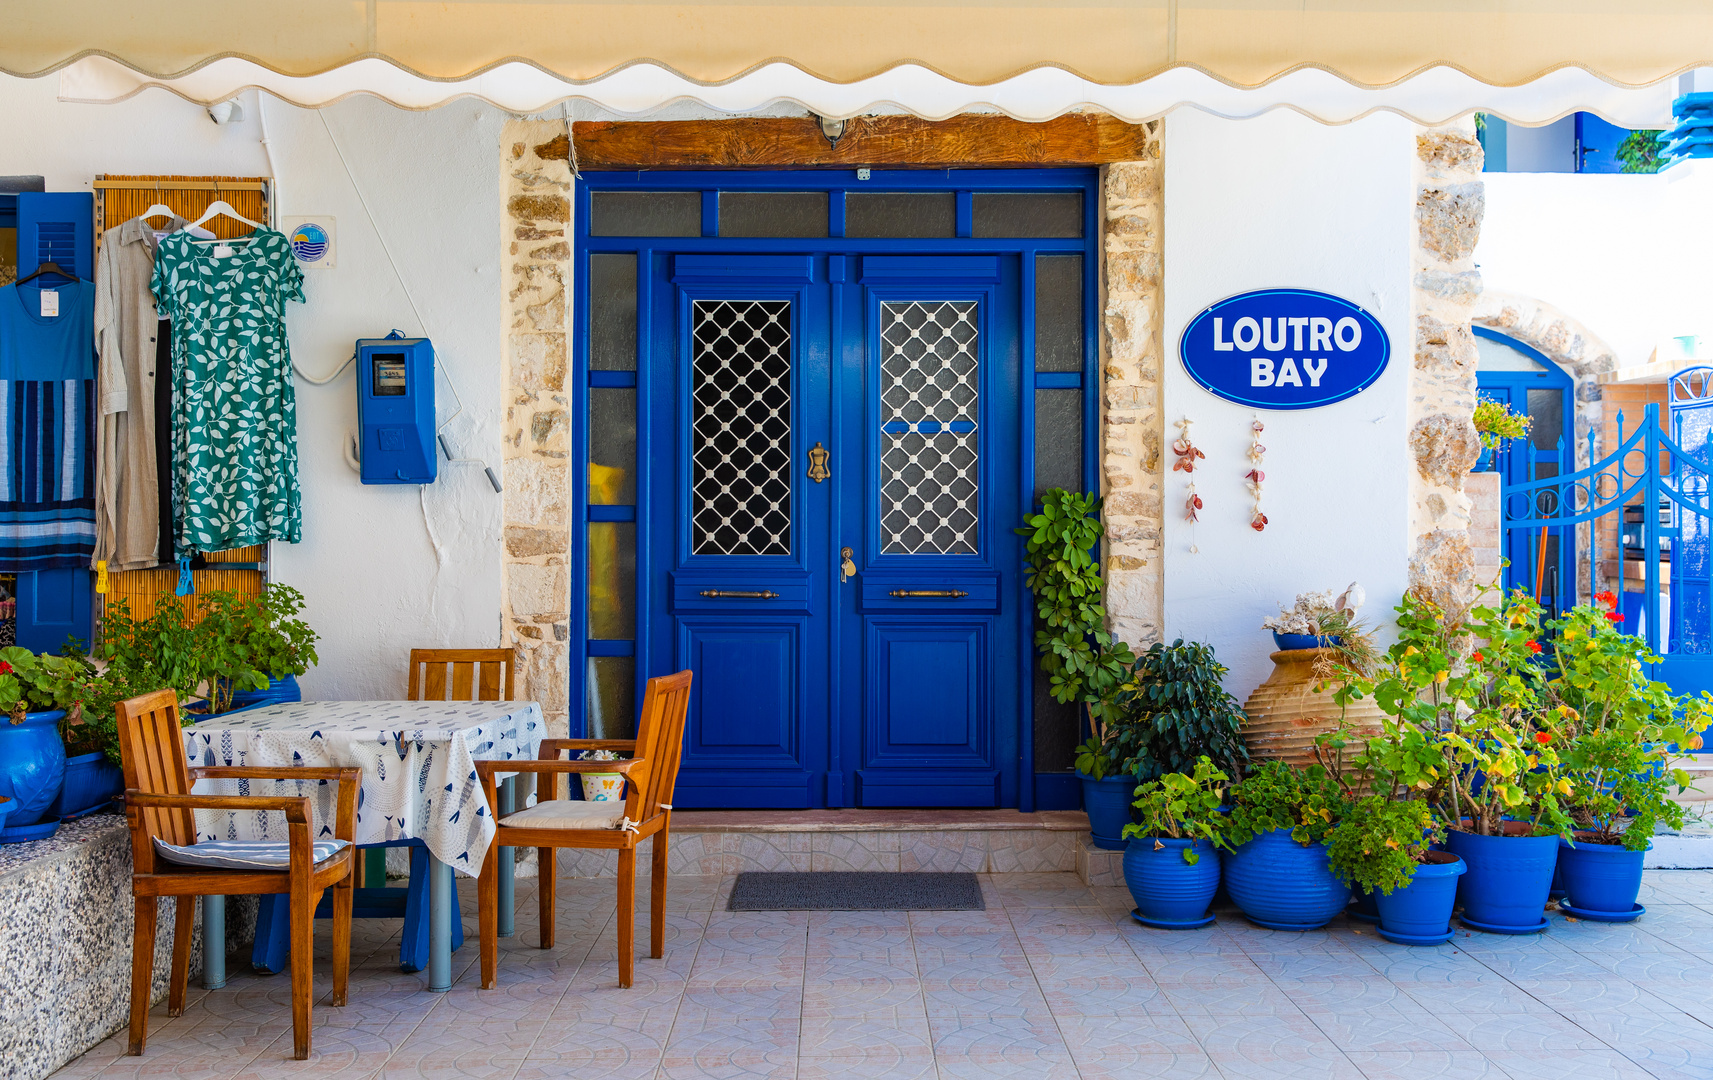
975	841
1096	865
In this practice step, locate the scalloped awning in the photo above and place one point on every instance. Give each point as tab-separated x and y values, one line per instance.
1243	43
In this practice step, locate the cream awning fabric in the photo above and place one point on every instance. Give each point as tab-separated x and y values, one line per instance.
1435	96
1240	43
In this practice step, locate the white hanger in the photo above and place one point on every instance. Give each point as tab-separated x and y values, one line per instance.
157	210
218	207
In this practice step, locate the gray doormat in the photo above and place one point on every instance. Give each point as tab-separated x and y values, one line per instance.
840	890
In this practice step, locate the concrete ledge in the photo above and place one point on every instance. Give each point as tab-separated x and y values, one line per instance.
65	944
792	821
1097	866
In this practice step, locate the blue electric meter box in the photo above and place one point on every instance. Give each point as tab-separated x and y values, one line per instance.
395	409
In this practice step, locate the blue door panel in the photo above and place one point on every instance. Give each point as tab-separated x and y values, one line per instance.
52	606
927	704
743	701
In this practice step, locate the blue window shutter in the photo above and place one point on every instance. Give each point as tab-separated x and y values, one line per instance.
57	226
54	605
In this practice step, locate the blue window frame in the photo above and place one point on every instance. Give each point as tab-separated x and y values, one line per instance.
611	514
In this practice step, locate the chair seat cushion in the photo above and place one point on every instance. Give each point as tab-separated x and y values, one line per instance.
568	814
241	854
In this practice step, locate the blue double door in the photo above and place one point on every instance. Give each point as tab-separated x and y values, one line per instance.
834	555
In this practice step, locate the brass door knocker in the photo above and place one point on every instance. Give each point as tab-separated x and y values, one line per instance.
818	456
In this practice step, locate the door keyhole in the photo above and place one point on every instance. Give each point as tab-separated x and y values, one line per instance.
847	569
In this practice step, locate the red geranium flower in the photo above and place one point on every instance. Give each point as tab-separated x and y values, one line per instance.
1610	599
1476	656
1543	737
1533	646
5	668
1614	618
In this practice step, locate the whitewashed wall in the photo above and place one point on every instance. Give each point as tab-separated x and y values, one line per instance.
1631	257
1273	202
384	568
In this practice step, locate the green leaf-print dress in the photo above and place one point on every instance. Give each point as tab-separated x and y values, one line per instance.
234	421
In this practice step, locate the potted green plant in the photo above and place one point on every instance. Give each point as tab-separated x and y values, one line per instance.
1617	727
33	694
1462	692
233	645
1171	862
1176	711
1384	847
1497	426
1278	873
1083	664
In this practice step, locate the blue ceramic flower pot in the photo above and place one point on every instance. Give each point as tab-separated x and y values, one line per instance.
91	782
1169	892
1108	804
1283	885
32	764
1604	878
6	804
1304	641
1420	912
279	690
1505	890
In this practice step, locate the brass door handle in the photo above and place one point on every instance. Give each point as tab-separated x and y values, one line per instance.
847	569
954	593
740	594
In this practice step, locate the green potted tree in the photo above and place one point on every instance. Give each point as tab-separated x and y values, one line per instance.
1176	711
1171	862
1465	689
1617	728
1278	872
1083	663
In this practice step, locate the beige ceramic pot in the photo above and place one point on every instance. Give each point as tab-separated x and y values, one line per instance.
1286	713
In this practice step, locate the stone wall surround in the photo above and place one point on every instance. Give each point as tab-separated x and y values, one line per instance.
1450	200
536	260
1132	434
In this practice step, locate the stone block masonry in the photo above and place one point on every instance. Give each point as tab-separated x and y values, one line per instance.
1450	200
536	256
1132	434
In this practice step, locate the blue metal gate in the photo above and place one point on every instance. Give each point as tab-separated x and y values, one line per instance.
1657	486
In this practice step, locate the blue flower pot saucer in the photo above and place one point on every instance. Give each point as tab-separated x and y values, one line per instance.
1417	939
21	834
1492	928
1170	924
1293	927
1634	913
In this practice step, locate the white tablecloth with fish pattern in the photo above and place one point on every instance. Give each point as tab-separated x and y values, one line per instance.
418	760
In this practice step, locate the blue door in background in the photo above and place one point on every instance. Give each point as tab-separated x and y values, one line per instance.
808	409
1541	562
843	430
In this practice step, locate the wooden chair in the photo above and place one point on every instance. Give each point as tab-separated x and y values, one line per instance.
553	822
477	675
158	807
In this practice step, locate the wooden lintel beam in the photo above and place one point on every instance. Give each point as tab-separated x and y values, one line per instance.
872	141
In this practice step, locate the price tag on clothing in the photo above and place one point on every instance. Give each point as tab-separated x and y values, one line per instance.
222	251
50	304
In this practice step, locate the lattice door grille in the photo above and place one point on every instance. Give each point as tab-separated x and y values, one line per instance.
741	427
928	394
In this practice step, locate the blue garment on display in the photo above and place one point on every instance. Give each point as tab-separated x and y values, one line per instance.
47	423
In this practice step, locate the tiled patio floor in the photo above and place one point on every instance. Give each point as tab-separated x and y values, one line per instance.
1053	980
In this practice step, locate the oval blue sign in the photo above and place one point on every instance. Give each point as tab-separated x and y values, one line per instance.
1284	349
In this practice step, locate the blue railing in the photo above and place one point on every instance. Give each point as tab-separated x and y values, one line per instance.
1607	487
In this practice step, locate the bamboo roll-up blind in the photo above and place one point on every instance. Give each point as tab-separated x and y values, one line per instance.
118	199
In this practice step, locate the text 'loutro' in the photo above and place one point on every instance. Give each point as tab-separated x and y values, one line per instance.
1285	349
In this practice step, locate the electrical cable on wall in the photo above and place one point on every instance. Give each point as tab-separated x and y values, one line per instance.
352	450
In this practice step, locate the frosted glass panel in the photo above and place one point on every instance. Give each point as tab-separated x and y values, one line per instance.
1059	313
612	580
612	445
611	700
612	312
1033	217
905	215
773	213
645	213
1058	440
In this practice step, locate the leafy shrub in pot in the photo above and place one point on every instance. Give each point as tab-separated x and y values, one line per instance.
1465	731
1617	728
1383	846
1172	861
1278	872
1083	664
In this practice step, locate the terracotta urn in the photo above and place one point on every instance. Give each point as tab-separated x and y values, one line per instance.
1287	712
